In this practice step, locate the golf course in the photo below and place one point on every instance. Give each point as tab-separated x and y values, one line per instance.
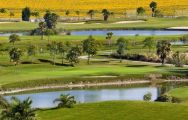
105	63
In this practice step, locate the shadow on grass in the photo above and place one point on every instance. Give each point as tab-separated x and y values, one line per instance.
56	64
180	71
136	65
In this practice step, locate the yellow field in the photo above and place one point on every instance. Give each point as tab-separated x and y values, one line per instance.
84	5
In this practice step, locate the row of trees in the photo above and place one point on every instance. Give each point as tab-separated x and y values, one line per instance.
90	47
27	13
65	50
153	6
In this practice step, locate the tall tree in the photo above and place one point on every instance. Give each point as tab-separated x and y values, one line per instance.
62	48
163	50
73	54
11	14
109	36
13	38
65	101
19	110
121	42
153	6
140	11
42	28
78	14
106	14
149	43
51	19
178	59
31	51
91	13
15	55
90	47
53	48
26	13
49	32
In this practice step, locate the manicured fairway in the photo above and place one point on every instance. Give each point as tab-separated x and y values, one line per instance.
118	110
152	23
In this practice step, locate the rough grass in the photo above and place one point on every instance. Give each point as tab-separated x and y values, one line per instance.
118	110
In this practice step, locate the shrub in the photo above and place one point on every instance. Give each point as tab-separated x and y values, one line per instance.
147	97
168	98
164	98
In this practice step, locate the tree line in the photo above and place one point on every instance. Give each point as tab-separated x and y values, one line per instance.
27	12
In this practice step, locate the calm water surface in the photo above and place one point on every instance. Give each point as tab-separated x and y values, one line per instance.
45	99
129	32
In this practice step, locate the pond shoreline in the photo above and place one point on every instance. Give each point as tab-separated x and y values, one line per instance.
81	85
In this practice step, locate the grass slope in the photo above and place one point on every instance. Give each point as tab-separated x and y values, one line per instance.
181	93
118	110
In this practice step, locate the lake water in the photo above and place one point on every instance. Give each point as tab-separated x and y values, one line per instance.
45	99
116	32
18	33
130	32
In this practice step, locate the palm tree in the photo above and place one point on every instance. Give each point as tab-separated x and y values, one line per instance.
42	26
13	38
65	101
153	6
163	50
106	14
19	110
3	102
91	13
109	38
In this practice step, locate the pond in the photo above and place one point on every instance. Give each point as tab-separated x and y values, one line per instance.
45	99
18	33
130	32
116	32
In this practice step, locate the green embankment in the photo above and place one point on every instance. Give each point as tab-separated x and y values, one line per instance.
118	110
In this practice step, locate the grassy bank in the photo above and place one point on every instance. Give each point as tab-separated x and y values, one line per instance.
118	110
31	75
181	93
152	23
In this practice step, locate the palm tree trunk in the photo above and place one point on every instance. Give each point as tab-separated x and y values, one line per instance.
163	61
63	58
88	60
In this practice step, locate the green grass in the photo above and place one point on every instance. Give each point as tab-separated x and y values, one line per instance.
181	93
118	110
27	75
152	23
